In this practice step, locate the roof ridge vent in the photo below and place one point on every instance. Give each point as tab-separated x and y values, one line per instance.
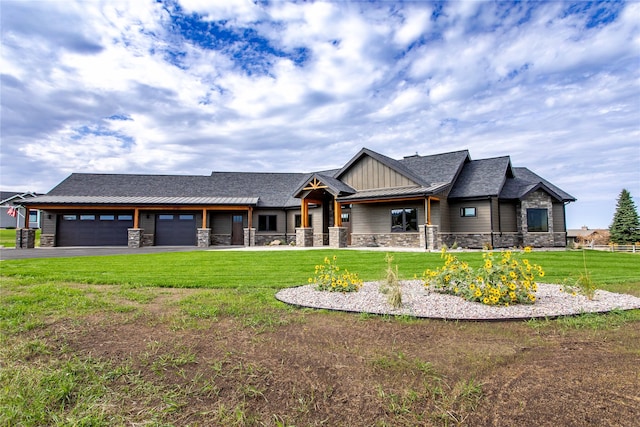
412	156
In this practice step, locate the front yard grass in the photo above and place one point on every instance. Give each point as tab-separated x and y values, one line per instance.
198	339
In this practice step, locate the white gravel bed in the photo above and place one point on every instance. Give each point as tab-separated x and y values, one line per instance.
418	301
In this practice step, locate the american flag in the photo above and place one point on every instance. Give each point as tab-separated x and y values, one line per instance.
12	212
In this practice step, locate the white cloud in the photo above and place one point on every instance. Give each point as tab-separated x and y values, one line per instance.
115	87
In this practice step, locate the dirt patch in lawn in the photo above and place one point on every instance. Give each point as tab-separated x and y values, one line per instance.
308	368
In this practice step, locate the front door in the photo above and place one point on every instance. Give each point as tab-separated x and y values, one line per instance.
237	230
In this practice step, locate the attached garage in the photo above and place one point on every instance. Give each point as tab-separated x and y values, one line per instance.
94	228
176	229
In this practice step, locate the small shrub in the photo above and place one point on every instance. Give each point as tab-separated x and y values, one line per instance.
583	285
391	285
328	277
506	281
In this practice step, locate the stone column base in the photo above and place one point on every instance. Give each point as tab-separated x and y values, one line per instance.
204	237
433	241
25	238
337	237
249	236
134	237
304	237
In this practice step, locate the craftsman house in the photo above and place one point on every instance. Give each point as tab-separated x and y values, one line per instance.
373	200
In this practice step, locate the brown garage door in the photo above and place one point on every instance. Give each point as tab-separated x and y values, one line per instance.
177	229
94	228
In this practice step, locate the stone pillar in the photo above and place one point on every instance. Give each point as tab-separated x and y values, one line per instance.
422	236
134	237
249	236
433	242
304	237
337	237
25	238
204	237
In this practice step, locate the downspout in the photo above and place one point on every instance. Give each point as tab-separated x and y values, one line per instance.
491	219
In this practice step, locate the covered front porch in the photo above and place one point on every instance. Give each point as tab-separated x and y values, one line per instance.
321	193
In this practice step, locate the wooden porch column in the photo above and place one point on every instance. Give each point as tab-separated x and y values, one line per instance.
250	218
305	214
26	217
337	214
136	218
204	218
428	206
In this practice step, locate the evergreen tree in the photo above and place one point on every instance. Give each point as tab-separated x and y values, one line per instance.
625	228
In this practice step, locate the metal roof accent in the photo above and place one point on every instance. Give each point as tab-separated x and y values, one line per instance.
141	200
391	193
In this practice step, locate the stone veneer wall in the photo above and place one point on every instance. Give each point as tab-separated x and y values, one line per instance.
47	240
304	237
25	238
482	240
400	240
221	239
338	237
148	239
265	239
320	239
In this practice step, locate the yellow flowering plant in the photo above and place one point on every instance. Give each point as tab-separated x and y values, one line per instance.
502	280
329	277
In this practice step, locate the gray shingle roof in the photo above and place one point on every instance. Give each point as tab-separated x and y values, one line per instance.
524	182
480	178
273	189
434	168
432	174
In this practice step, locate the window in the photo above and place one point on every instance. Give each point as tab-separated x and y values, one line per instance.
345	217
267	222
87	217
537	220
468	212
298	221
404	220
186	217
107	217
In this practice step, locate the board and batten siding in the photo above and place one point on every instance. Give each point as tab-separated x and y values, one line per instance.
316	219
369	173
376	217
508	218
478	224
220	222
558	218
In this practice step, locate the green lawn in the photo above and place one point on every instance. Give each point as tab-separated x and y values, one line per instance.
75	352
275	269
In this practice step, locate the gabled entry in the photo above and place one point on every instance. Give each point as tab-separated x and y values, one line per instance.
321	190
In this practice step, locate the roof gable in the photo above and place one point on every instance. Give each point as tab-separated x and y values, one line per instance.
370	170
319	181
482	178
525	182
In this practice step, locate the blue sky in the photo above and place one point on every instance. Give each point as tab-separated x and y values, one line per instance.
193	86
